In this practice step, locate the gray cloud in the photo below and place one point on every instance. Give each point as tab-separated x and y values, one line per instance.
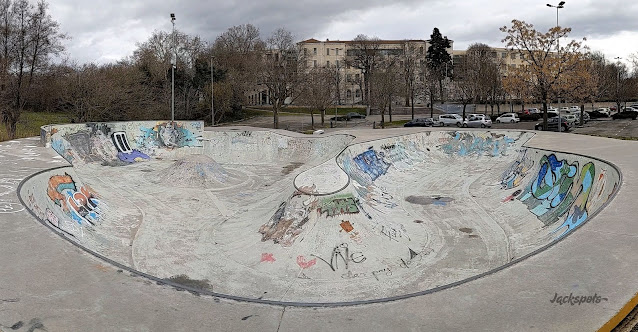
104	31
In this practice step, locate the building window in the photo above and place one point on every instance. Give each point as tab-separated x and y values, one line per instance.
336	51
356	77
513	56
314	51
504	55
348	77
337	63
421	50
327	51
327	63
358	93
348	94
305	51
314	63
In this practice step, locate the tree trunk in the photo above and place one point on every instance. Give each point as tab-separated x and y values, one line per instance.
412	96
323	116
312	120
431	104
390	111
275	113
383	117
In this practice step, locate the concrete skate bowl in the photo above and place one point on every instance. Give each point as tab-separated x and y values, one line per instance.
315	221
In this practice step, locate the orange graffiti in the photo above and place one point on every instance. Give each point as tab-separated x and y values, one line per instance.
346	225
55	182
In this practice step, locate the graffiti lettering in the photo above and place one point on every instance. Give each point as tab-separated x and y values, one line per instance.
342	252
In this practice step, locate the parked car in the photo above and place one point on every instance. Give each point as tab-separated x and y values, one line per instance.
574	108
586	117
533	110
508	118
530	117
625	115
348	117
420	122
630	109
571	118
598	114
451	120
603	110
355	115
552	124
553	113
552	108
564	109
477	120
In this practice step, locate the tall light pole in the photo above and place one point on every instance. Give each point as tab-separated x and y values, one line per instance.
559	6
212	93
173	63
618	83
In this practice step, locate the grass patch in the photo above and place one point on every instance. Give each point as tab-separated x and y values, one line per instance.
398	123
30	123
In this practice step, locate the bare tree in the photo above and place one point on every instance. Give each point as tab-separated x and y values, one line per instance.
28	37
410	66
384	86
280	71
319	91
363	55
238	54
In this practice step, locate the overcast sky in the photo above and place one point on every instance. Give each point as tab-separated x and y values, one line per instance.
107	30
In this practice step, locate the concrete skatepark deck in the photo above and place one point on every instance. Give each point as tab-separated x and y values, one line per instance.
297	220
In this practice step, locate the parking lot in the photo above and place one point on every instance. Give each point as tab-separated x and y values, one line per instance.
606	127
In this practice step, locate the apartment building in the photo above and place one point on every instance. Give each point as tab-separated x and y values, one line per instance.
508	59
333	53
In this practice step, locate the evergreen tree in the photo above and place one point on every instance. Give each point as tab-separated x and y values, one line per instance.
437	57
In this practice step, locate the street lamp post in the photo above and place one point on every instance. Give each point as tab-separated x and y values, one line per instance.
559	6
173	63
212	93
337	91
618	83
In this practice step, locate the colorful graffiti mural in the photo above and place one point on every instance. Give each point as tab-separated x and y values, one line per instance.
560	188
371	163
338	205
120	143
79	203
466	144
288	221
166	135
124	151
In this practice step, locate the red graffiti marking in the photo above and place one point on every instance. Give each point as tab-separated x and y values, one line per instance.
301	261
267	257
